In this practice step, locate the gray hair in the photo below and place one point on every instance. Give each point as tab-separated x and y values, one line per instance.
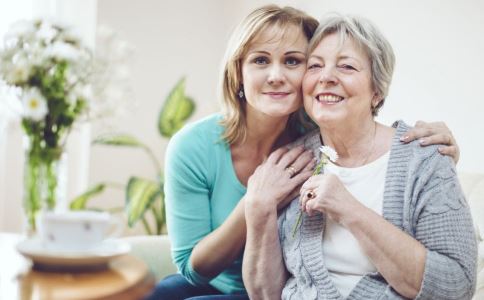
367	36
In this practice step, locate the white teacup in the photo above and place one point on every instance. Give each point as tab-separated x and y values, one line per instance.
76	230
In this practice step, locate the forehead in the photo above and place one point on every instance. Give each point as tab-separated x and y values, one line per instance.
342	45
280	37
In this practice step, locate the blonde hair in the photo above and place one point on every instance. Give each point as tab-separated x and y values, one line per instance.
370	39
233	109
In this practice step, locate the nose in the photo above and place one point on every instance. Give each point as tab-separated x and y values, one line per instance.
327	76
276	75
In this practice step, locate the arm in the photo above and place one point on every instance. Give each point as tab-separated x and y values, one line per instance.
398	257
440	262
444	226
220	248
199	253
263	268
431	134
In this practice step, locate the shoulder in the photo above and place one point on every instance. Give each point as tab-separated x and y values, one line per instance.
193	136
310	140
421	159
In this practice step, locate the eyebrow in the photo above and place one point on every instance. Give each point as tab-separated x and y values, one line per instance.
339	57
287	53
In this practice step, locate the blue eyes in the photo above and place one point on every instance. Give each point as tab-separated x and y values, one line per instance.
289	61
261	61
292	61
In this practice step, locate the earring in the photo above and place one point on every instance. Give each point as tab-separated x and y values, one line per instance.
241	93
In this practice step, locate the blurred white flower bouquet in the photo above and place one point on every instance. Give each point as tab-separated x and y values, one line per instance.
60	81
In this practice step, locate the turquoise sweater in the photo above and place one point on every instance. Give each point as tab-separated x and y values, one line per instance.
201	190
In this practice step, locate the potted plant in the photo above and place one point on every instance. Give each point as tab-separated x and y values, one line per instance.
144	195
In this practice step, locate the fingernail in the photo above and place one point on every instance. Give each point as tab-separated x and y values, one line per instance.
403	138
440	149
422	141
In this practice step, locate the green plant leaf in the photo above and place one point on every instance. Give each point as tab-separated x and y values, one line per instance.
79	203
140	195
118	139
176	109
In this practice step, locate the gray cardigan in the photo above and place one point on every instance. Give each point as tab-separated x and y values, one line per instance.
423	198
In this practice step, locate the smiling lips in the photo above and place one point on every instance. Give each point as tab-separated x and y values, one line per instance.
277	95
328	98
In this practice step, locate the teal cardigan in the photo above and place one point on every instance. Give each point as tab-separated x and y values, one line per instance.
201	190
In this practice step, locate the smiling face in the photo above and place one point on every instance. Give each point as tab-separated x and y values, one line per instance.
272	71
337	85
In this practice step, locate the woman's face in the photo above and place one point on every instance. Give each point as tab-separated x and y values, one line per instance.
337	85
272	71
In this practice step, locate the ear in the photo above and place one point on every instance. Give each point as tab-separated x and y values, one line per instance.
375	100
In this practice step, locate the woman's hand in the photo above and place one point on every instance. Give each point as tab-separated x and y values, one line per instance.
327	194
275	180
434	133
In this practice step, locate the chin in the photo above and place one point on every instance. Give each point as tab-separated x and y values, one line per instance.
280	112
326	118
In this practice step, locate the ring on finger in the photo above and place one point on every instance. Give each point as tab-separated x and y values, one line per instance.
291	170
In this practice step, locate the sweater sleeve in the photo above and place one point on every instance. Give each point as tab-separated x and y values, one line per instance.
187	198
444	226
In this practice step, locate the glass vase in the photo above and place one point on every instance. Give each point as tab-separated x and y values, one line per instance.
44	180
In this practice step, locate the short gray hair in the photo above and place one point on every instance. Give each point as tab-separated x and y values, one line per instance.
370	39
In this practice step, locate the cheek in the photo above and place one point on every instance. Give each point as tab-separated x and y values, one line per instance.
308	86
358	86
308	83
297	77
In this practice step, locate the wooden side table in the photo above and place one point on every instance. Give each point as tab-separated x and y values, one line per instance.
126	278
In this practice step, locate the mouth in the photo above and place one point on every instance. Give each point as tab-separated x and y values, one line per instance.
277	95
328	98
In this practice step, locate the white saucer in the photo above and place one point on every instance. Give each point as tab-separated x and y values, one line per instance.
93	258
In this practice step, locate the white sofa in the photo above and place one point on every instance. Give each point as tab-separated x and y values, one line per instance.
155	250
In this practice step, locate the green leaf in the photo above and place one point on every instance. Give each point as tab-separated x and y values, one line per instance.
80	202
140	195
176	109
118	139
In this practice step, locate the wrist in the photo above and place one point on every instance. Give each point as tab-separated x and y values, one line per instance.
353	216
258	207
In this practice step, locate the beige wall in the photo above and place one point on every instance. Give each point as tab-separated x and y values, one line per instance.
439	46
437	43
171	39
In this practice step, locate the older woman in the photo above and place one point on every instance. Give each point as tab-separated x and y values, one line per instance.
208	163
387	220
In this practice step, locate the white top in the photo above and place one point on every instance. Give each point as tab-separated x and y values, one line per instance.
344	258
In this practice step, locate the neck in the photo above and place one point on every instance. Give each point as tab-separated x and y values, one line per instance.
354	143
265	133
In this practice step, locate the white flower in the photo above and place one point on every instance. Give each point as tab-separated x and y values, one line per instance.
46	32
18	73
61	50
329	152
34	105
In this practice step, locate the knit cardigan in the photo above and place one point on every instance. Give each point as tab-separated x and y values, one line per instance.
423	198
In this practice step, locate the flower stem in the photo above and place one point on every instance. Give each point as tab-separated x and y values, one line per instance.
323	161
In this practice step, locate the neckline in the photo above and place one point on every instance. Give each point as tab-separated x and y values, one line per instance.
380	160
232	172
